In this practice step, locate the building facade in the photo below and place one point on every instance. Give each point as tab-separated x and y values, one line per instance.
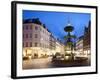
79	46
38	41
59	47
35	38
87	39
52	44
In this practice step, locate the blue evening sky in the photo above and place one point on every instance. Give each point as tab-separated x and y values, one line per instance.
56	21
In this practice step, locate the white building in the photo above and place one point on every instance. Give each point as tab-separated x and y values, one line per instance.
59	47
38	40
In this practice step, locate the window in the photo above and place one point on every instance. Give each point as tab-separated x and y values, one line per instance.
30	44
36	35
36	44
26	35
36	28
26	44
30	35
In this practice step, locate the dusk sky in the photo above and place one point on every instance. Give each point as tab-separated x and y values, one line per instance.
56	21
